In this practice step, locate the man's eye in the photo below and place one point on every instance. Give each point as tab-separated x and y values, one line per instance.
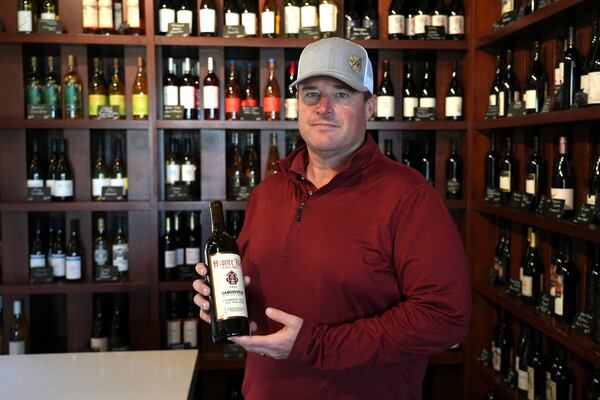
311	95
342	95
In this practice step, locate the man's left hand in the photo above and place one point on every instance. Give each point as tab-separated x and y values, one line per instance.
276	345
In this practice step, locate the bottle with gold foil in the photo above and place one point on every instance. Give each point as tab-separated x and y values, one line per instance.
116	90
273	155
97	93
139	96
72	91
272	96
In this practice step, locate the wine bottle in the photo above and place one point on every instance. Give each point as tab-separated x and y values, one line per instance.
593	67
492	166
249	17
233	95
100	246
118	175
532	279
99	336
351	19
422	18
120	250
557	259
507	6
51	91
531	6
37	252
396	20
502	255
226	280
561	378
119	326
291	12
572	71
290	103
166	15
118	16
235	222
535	369
168	250
559	71
251	165
190	323
454	96
231	13
562	178
35	178
234	169
272	96
74	257
410	98
456	20
388	149
273	155
100	177
208	18
426	163
97	92
116	90
535	84
439	16
427	97
187	94
173	164
502	347
51	177
49	10
370	19
170	85
411	10
33	87
135	17
18	341
185	14
510	89
72	91
385	95
309	14
63	179
508	173
536	173
210	93
567	284
189	170
139	94
523	350
587	61
174	321
25	16
594	179
408	157
327	18
192	243
269	19
250	93
57	253
454	173
594	276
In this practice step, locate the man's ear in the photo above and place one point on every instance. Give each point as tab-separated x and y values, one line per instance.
370	105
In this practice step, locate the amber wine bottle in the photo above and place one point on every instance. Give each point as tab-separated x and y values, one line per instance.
228	312
139	96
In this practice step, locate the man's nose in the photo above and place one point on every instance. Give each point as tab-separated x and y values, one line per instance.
325	105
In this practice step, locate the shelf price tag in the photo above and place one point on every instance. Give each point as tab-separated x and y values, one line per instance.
38	111
112	193
521	201
583	323
310	32
514	288
546	304
549	104
40	275
509	17
173	112
108	112
425	114
48	26
251	113
516	109
177	192
357	33
493	195
106	273
178	29
493	112
585	214
435	33
39	194
552	208
234	31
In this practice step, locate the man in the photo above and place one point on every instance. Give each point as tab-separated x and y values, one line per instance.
356	271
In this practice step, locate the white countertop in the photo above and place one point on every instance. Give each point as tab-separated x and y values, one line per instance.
147	375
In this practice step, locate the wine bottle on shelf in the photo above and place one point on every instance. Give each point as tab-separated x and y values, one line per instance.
502	345
100	246
508	173
37	252
192	243
63	179
396	20
351	18
166	15
592	391
197	93
100	177
51	176
179	242
587	61
189	170
139	94
290	103
231	13
26	16
388	149
187	94
327	18
533	276
173	164
234	169
251	165
385	110
502	255
525	346
18	340
536	173
410	100
33	86
593	81
170	85
422	18
169	253
272	96
507	6
531	6
97	92
233	95
454	173
370	19
309	14
72	91
594	276
105	16
250	93
174	321
567	285
185	14
559	72
35	178
249	17
116	90
427	97
235	222
454	96
426	163
535	83
594	179
439	16
456	20
208	18
99	336
57	252
190	323
411	10
118	16
269	19
119	326
49	10
510	90
492	166
572	71
559	378
226	280
557	259
74	256
562	178
408	157
536	373
273	155
51	90
291	18
135	17
210	93
120	249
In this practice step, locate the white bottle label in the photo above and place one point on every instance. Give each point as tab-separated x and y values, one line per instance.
16	348
591	199
531	99
207	20
410	103
210	97
507	6
530	184
228	282
179	256
133	13
37	261
192	255
396	24
90	13
454	106
100	256
232	19
410	26
501	97
267	20
530	383
190	332
57	262
170	259
35	183
118	15
188	172
165	17
120	182
327	17
98	184
290	108
63	188
594	88
173	332
385	106
440	20
505	182
585	83
120	256
73	267
497	358
48	16
564	194
187	97
421	21
292	19
173	173
527	286
308	16
522	379
561	72
456	25
185	17
558	305
493	100
249	22
25	21
99	344
171	96
105	14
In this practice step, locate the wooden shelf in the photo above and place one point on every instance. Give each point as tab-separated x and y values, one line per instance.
527	24
496	381
75	206
72	124
550	118
63	288
585	232
73	38
198	205
559	331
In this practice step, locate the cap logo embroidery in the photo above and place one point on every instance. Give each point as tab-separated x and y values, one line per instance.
355	63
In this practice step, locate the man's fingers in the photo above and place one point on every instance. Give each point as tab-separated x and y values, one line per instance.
201	269
280	316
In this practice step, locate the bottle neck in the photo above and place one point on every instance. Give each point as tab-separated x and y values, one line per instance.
216	216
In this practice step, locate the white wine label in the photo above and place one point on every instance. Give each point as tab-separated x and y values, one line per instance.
232	19
118	15
594	88
100	256
421	21
187	97
516	96
327	17
290	107
396	24
454	106
530	184
530	383
508	6
165	17
99	344
37	261
63	188
179	256
440	20
563	194
120	256
207	20
173	173
120	182
501	102
308	16
267	21
16	348
228	282
190	332
548	385
561	72
90	13
497	358
527	286
249	22
105	14
192	255
133	13
170	259
585	83
522	379
410	26
25	21
48	16
456	25
493	100
73	267
531	99
57	262
35	183
408	108
210	97
292	19
173	332
98	184
427	102
188	173
505	181
185	17
591	199
559	292
385	106
171	95
552	390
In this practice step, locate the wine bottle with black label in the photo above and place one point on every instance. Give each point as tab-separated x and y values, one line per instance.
492	166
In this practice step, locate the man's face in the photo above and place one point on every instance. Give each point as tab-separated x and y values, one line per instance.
332	117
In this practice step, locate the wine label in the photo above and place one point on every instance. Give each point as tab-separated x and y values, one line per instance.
508	6
171	95
190	332
73	267
502	104
187	97
188	172
232	19
118	15
409	105
57	262
584	83
192	255
48	16
396	24
526	286
410	26
327	17
591	199
100	256
561	72
173	332
271	104
210	97
530	383
34	95
290	109
35	183
497	359
173	173
24	21
228	283
185	17
594	88
170	259
292	20
139	105
207	20
51	95
98	184
165	17
522	379
95	101
267	21
105	14
99	344
385	106
505	181
16	347
421	21
551	390
440	20
559	292
233	105
531	99
563	194
427	102
118	100
308	16
121	183
456	25
72	97
63	188
90	13
133	13
530	184
454	106
179	256
493	100
37	261
249	22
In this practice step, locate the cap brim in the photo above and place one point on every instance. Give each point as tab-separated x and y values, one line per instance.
332	74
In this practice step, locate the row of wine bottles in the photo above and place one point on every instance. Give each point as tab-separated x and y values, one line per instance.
47	97
182	322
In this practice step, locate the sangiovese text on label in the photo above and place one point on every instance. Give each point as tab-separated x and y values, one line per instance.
228	284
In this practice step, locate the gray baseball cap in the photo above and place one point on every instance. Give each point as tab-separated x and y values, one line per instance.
338	58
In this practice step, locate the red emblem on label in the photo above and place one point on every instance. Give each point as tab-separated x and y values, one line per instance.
231	278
